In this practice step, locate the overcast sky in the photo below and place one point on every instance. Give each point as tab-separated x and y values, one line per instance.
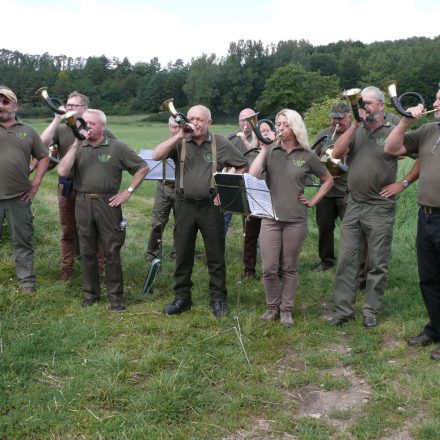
173	29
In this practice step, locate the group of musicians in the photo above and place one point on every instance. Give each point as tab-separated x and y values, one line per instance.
91	162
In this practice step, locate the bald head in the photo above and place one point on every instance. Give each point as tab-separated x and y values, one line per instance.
200	117
245	127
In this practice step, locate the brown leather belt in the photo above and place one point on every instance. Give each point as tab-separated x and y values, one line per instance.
95	196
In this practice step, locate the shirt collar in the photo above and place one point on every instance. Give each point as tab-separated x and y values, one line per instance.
105	143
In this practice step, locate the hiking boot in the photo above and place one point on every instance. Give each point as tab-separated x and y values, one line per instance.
286	318
271	314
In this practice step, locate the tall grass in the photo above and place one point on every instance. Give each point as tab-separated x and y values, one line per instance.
74	373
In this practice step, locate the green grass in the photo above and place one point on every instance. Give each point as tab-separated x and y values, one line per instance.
73	373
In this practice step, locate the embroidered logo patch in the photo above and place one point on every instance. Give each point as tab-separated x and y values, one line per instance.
103	158
381	141
21	134
207	157
299	163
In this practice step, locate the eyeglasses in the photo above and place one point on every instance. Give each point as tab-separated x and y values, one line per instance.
74	105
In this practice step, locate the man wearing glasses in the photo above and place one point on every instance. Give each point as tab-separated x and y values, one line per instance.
18	142
62	136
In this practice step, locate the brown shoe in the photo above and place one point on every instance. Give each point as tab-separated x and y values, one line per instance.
286	318
29	290
421	340
435	355
271	314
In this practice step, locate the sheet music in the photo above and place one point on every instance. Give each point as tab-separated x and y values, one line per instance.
258	197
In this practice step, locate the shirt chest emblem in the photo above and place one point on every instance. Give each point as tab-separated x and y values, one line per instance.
207	157
381	141
21	134
104	158
298	163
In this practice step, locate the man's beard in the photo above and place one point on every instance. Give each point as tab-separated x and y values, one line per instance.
372	117
6	116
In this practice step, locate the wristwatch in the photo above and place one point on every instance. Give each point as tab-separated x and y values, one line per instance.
405	183
130	189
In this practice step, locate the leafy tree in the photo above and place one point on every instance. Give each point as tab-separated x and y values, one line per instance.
294	87
202	84
317	116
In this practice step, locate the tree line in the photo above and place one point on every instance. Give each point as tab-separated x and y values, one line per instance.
293	74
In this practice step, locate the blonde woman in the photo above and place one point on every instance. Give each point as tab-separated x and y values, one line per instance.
286	163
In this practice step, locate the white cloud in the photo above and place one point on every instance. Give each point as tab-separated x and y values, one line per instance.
94	27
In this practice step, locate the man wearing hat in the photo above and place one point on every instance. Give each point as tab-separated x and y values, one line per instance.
18	142
332	205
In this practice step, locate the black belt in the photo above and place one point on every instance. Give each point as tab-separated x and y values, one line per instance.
430	210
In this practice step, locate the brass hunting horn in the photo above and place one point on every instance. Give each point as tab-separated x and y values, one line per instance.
354	97
336	167
52	103
255	124
390	87
180	118
75	123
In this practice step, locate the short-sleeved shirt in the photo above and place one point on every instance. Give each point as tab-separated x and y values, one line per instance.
238	143
370	168
425	140
340	182
197	171
17	144
286	176
250	156
99	169
64	138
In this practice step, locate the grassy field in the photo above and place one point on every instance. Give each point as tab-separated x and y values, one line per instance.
73	373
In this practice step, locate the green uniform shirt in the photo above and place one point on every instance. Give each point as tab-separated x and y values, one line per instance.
340	187
17	144
197	172
370	168
286	176
99	169
238	143
64	138
426	141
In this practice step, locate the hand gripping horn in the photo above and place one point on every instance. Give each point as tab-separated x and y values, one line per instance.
255	124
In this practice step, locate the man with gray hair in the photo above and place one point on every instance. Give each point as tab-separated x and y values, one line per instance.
425	141
198	154
96	165
369	216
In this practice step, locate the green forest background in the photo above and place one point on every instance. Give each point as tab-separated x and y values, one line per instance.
291	73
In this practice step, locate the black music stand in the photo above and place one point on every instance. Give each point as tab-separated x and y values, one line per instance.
244	194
